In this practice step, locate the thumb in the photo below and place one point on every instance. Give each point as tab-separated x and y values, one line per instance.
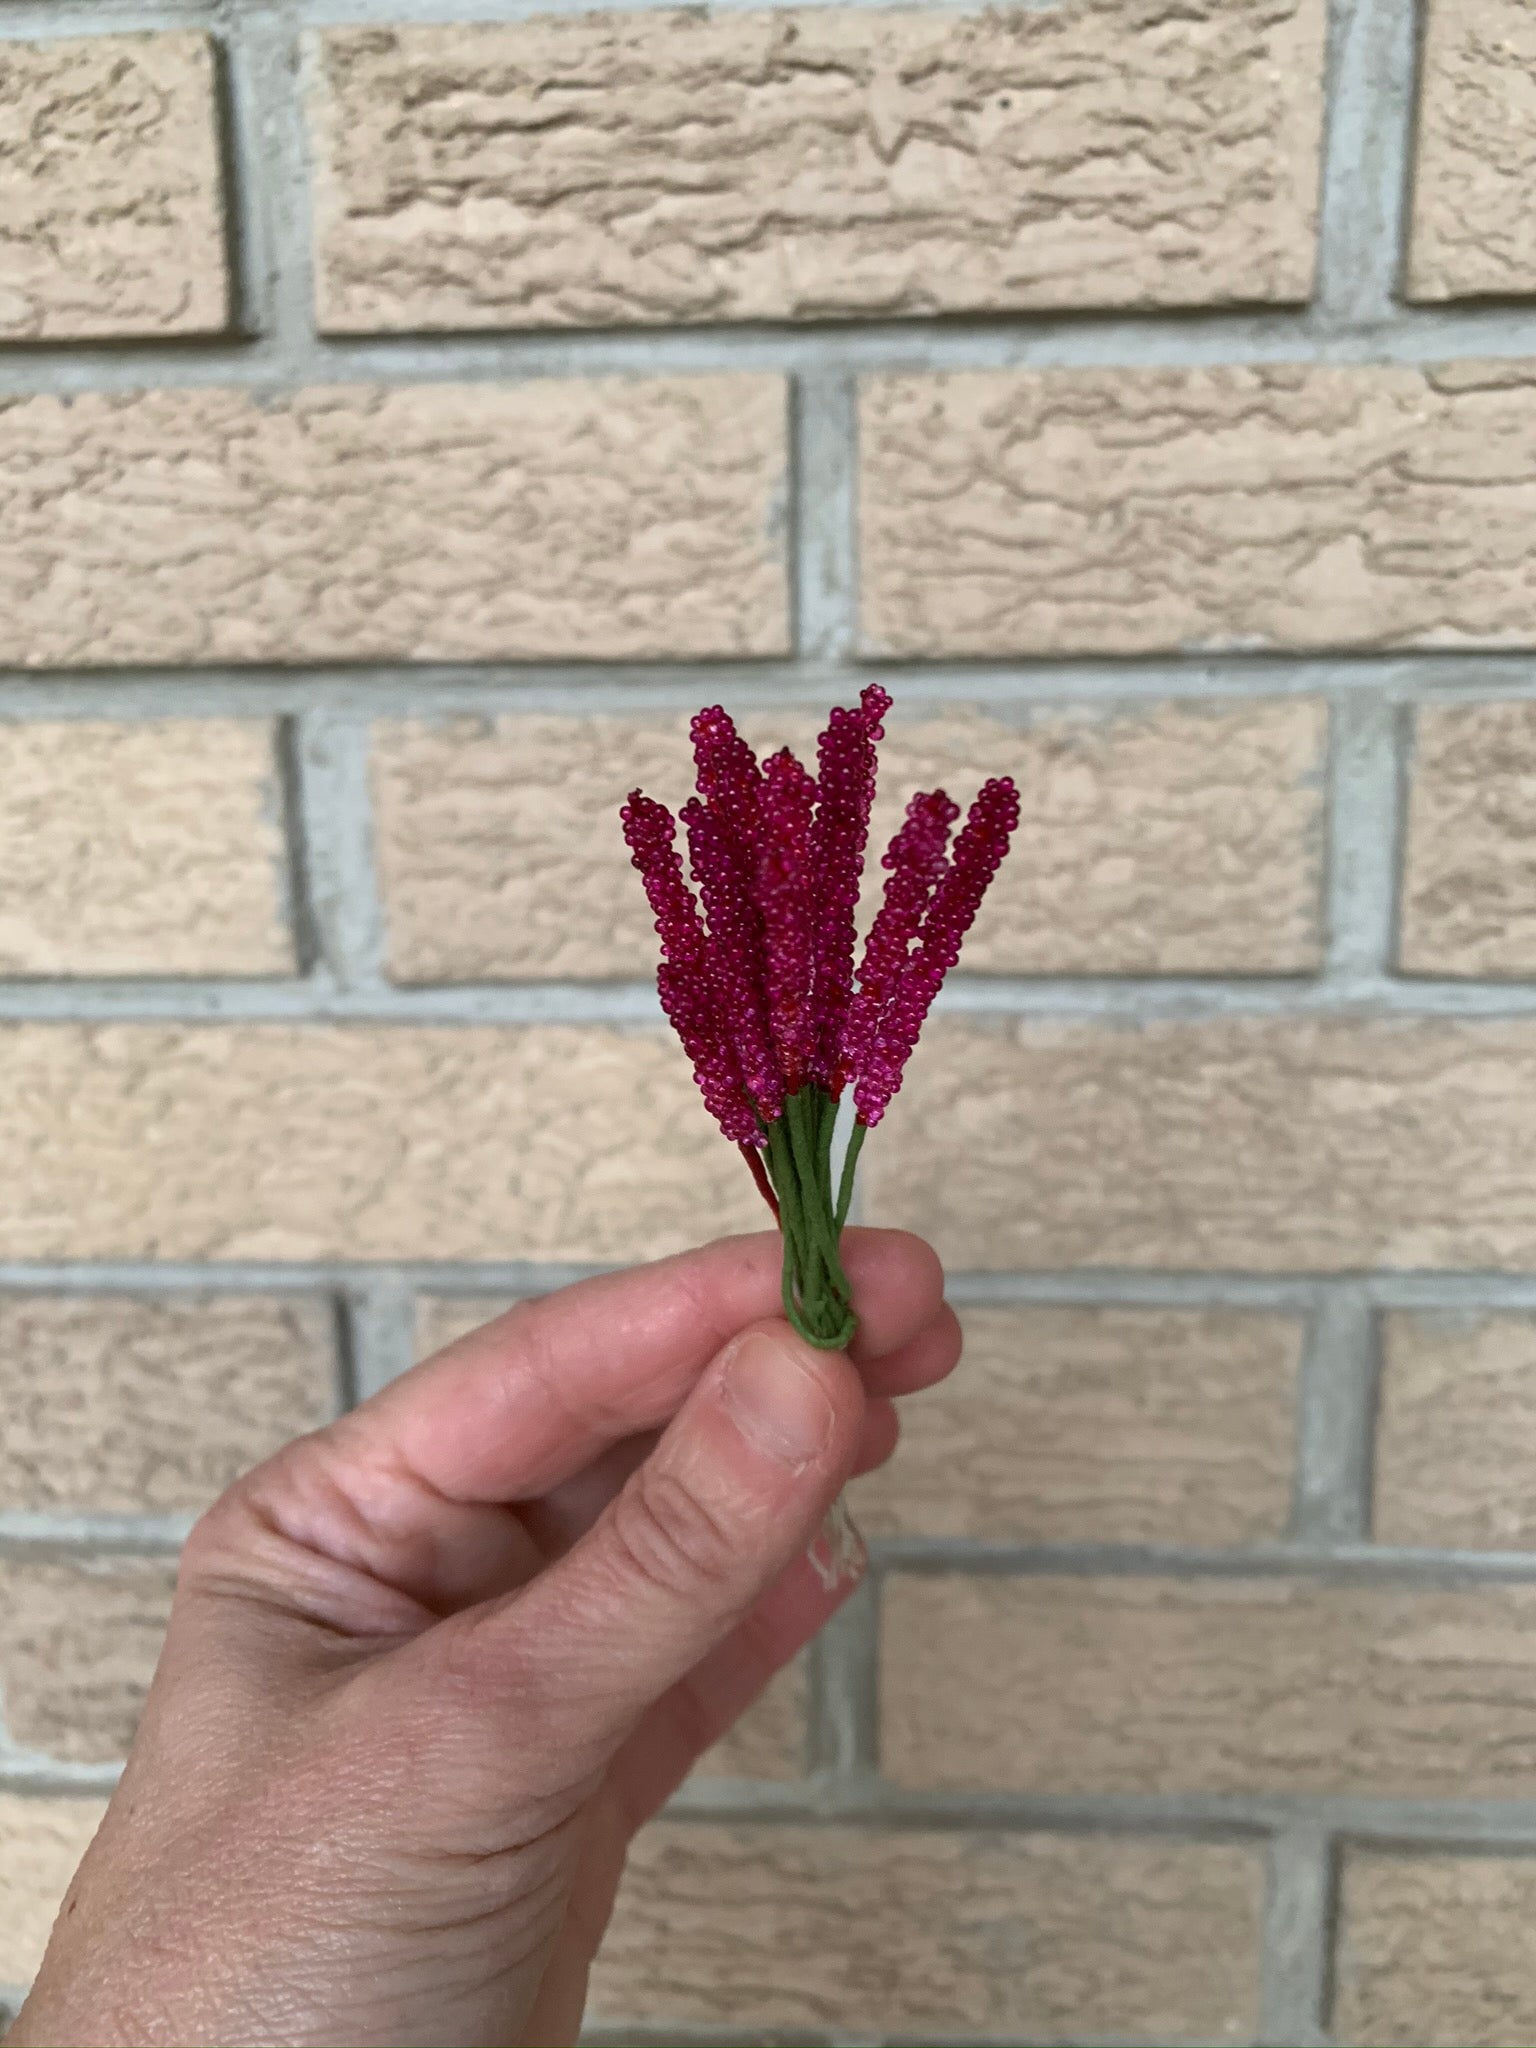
738	1485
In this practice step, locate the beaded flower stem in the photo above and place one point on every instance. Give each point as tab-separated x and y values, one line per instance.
757	968
817	1297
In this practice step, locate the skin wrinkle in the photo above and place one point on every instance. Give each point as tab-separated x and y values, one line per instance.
405	1499
607	1418
290	1568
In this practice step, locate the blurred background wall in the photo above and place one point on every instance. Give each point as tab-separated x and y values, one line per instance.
405	424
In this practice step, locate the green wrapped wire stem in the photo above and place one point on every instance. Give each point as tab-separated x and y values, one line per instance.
817	1297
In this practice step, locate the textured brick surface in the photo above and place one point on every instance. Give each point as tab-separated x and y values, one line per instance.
1170	838
41	1841
1476	156
274	1141
1014	1934
1456	1431
1175	838
852	162
128	1406
1104	580
1099	1425
1435	1949
499	845
110	188
1271	1143
153	848
602	517
78	1644
1208	1685
1469	880
1132	511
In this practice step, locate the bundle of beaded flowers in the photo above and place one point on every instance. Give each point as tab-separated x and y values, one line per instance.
757	970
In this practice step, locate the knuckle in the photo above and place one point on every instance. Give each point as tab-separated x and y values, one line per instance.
216	1536
480	1665
666	1537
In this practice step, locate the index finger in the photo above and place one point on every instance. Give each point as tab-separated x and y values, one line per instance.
512	1409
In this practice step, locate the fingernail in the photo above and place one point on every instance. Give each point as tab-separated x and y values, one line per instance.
779	1407
838	1555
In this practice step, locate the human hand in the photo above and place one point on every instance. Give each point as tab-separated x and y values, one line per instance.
428	1669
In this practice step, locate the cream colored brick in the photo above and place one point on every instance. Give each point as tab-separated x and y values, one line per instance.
499	844
283	1141
110	188
145	1406
1435	1949
1476	156
1175	838
1278	1144
852	162
152	848
1456	1431
41	1841
1099	1425
1135	1684
1469	883
1008	1934
607	517
78	1646
769	1741
1141	511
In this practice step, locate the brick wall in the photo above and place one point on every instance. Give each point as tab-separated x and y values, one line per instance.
402	427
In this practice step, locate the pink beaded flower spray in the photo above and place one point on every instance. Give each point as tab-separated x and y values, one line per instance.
757	970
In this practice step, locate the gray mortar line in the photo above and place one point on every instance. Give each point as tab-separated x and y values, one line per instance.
380	1339
1468	1826
1336	1562
843	1703
1422	1292
1297	1948
1022	692
269	198
1369	101
822	468
999	1002
1364	835
1419	336
332	809
1336	1414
